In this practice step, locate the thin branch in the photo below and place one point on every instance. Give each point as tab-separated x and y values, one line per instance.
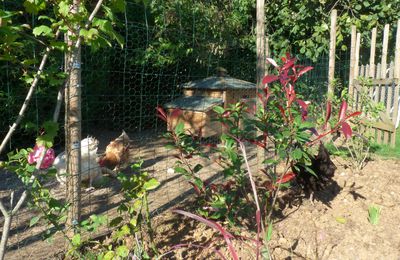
3	209
28	96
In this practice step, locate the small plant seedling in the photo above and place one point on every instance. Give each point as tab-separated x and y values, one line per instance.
373	214
341	220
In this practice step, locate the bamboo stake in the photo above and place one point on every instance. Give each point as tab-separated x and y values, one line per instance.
372	54
385	51
332	56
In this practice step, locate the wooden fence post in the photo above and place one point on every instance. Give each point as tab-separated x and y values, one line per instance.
384	51
73	128
372	54
332	55
261	60
352	59
397	81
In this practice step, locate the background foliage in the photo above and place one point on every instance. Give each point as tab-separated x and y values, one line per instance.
168	43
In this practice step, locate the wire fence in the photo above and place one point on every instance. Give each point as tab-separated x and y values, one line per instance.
122	86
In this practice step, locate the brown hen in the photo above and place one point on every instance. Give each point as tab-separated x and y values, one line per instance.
117	155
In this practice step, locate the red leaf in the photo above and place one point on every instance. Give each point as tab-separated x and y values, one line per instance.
342	111
267	93
269	78
353	114
196	189
256	142
302	104
289	63
286	178
304	70
175	113
282	111
346	129
226	114
161	113
227	236
328	113
272	62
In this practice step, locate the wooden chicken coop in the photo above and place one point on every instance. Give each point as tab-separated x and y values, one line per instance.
200	97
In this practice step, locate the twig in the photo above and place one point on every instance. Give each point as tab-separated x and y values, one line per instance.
37	77
253	186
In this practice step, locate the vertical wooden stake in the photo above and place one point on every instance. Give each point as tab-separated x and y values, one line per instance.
261	59
372	54
260	43
352	59
357	56
73	128
397	85
332	55
397	53
384	51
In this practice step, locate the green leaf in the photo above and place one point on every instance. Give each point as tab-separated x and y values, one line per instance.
268	234
116	221
198	182
42	30
179	128
373	214
181	170
76	240
109	255
151	184
34	220
122	251
341	220
219	109
63	8
297	154
197	168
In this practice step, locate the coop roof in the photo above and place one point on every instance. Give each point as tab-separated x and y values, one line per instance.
195	103
219	83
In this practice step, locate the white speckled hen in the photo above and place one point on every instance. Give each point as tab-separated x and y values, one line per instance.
90	167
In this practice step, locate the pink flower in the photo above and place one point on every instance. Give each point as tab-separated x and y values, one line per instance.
48	159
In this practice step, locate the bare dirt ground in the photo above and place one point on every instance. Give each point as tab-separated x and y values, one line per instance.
335	227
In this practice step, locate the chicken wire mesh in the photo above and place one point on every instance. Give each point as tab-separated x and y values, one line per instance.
121	89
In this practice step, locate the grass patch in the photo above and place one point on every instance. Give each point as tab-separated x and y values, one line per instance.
386	151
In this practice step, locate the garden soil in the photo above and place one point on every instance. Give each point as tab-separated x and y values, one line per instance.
334	226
